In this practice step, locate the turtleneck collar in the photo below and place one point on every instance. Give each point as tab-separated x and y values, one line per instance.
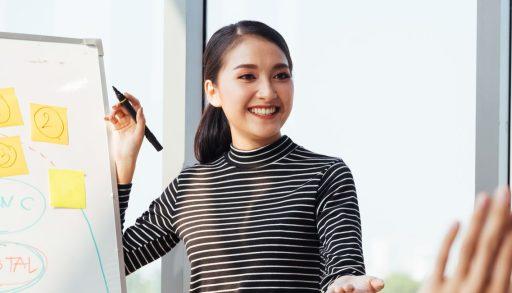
261	156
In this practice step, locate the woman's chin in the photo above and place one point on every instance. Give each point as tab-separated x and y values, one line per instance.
265	132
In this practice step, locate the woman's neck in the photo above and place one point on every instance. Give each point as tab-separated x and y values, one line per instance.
246	144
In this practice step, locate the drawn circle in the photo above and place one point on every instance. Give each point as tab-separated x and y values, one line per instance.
48	122
19	281
5	110
20	201
8	155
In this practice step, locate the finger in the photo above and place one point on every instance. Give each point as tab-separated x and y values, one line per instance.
117	107
111	117
377	284
114	123
141	122
503	268
470	240
110	124
444	251
348	288
117	122
119	113
124	120
135	103
492	237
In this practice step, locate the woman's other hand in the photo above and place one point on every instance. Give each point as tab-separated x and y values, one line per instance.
356	284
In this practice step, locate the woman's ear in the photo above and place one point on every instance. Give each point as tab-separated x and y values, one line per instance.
211	93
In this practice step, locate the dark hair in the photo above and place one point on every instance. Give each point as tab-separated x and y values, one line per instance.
213	136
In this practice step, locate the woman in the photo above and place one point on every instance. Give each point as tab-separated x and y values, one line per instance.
258	211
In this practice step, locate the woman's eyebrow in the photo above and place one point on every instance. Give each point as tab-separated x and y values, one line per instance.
254	66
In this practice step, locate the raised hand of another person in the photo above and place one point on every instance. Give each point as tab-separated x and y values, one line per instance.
485	260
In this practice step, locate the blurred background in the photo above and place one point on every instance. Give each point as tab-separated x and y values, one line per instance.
388	86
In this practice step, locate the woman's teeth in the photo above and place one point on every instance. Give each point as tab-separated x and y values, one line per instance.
263	111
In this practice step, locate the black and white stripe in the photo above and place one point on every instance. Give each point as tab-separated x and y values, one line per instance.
279	217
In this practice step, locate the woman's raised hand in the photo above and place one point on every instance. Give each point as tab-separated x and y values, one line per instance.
485	259
127	136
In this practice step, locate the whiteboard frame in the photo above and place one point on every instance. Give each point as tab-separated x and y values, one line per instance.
113	178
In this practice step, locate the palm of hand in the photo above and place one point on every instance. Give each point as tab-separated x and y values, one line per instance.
356	284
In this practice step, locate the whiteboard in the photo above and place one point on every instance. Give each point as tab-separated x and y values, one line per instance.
44	248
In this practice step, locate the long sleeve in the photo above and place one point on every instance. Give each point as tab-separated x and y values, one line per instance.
153	234
124	196
339	225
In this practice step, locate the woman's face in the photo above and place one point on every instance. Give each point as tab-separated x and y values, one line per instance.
254	73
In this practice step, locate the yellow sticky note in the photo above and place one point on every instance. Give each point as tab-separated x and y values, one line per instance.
10	114
67	188
12	161
49	123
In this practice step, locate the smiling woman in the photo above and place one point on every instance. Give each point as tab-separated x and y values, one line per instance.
258	211
260	79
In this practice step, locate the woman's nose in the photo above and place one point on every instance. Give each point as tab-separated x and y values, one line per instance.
266	90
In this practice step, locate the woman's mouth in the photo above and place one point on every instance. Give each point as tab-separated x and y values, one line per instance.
264	112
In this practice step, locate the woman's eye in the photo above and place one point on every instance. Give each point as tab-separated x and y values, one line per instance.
242	77
283	75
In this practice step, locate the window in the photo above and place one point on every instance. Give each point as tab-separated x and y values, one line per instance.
390	88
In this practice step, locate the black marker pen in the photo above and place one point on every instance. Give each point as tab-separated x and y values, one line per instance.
147	133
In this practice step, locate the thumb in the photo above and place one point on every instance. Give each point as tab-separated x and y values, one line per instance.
141	122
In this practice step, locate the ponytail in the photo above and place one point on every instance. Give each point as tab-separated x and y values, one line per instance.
213	135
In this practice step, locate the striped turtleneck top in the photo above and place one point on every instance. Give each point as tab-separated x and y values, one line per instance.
278	218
